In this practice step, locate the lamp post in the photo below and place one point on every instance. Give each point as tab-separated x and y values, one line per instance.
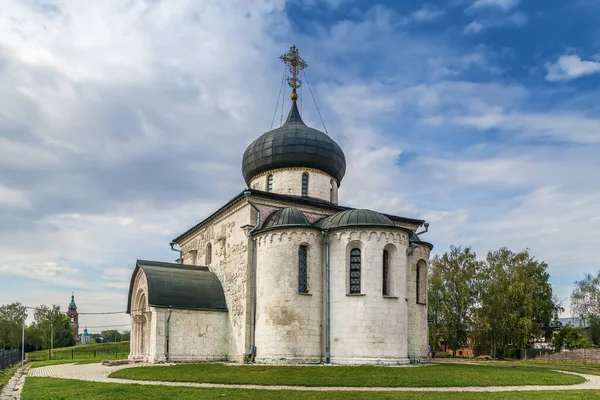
23	347
51	340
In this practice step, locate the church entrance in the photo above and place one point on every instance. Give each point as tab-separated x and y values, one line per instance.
140	330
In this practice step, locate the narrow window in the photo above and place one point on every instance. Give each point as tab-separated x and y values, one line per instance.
302	269
355	271
331	190
208	258
305	184
386	273
418	278
421	282
270	183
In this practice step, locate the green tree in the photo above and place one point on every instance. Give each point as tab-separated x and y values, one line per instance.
571	338
453	295
53	326
126	336
11	325
516	299
585	303
585	298
111	335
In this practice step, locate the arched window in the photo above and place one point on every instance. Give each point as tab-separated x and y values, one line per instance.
303	269
331	190
354	271
386	273
421	282
270	183
208	257
305	184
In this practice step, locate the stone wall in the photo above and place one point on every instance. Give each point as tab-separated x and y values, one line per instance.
289	181
577	355
193	336
288	323
368	327
229	260
417	313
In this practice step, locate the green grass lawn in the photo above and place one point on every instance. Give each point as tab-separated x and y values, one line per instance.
99	350
583	368
91	360
443	375
65	389
6	374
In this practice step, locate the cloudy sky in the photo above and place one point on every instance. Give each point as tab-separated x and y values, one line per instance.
123	123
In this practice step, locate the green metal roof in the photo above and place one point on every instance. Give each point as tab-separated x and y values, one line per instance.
293	144
354	218
180	286
286	217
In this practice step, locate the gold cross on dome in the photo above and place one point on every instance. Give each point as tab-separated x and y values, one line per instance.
295	64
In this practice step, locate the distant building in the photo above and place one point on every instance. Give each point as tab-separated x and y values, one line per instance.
85	337
74	316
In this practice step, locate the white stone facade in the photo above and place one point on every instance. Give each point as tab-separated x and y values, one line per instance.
289	181
288	323
193	335
290	326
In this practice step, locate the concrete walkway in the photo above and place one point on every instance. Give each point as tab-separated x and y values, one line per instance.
100	373
12	390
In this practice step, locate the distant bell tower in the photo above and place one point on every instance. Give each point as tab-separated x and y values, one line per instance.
74	316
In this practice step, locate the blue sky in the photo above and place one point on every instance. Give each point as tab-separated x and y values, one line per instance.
123	123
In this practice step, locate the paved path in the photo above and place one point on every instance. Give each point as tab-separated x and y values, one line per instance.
99	373
12	390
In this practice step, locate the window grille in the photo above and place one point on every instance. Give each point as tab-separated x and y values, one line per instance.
302	269
208	258
305	184
355	271
386	272
270	183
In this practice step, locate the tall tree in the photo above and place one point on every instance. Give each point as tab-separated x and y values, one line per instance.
516	299
453	295
11	323
111	335
585	299
585	303
53	326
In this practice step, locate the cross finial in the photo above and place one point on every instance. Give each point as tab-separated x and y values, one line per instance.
295	64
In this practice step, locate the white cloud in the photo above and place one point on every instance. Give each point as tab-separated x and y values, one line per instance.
473	27
10	197
426	13
569	67
561	126
502	4
517	19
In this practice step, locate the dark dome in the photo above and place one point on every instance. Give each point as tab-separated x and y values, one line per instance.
286	217
293	145
354	217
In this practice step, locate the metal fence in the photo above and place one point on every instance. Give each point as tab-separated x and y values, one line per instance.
534	353
76	354
8	358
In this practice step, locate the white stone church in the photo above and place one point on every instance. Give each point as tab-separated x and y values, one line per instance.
284	274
